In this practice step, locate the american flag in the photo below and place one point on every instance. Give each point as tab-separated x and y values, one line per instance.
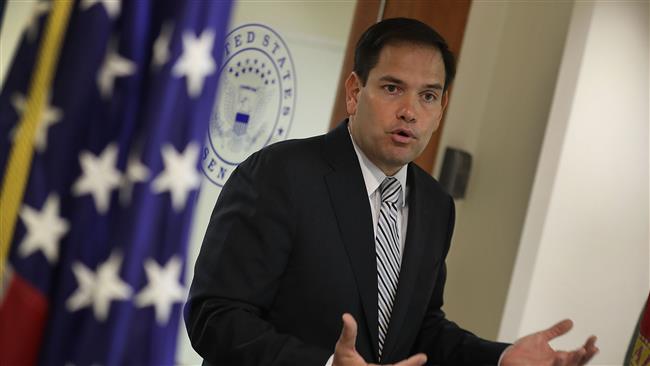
639	351
92	266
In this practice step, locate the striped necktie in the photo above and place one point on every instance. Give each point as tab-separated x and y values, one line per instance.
388	252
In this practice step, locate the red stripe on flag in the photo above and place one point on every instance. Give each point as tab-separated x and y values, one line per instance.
22	320
640	355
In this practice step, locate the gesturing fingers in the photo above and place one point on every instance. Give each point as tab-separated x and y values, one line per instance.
591	350
345	353
590	344
561	358
575	357
580	356
564	358
349	332
557	330
415	360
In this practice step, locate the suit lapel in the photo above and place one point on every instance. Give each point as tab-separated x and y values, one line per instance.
420	218
350	202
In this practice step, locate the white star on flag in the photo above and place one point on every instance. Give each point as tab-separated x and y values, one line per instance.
180	175
112	7
45	229
114	66
136	172
99	176
163	289
196	62
39	8
161	46
51	116
100	288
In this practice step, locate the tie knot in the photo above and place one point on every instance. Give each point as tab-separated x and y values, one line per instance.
390	190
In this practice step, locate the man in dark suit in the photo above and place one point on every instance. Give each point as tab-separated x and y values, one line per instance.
308	230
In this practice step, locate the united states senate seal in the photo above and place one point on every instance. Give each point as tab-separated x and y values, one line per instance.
255	102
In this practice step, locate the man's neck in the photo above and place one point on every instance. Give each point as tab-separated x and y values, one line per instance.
389	172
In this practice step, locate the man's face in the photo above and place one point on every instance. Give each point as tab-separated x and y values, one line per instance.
394	115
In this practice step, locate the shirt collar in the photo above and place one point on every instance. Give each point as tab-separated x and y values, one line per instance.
373	176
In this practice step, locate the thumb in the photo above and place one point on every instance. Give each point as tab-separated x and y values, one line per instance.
415	360
557	330
348	336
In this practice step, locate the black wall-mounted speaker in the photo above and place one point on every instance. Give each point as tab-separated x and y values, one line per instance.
454	174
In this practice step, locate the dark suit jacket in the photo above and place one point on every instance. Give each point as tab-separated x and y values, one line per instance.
290	248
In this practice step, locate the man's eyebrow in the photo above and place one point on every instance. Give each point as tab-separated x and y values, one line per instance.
391	79
433	86
394	80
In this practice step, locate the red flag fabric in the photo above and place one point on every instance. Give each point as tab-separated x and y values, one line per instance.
22	320
641	351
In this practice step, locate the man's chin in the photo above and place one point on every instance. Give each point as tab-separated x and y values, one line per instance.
401	156
398	163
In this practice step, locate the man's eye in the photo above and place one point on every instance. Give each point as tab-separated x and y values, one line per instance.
429	97
390	88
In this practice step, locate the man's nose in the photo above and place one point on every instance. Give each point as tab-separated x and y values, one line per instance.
406	114
405	111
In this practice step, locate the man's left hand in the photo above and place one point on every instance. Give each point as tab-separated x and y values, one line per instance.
534	349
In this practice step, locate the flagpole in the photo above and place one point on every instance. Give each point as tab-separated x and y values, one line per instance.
20	157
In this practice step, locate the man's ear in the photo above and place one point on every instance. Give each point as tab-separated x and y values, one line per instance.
352	88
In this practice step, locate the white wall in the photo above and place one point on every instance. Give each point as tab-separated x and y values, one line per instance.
584	252
14	20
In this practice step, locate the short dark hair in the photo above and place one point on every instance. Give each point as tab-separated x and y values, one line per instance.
399	30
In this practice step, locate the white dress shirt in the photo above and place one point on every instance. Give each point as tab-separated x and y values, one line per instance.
372	177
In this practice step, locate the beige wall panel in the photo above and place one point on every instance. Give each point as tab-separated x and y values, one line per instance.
506	77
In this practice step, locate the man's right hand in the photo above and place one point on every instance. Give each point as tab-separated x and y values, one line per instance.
345	352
